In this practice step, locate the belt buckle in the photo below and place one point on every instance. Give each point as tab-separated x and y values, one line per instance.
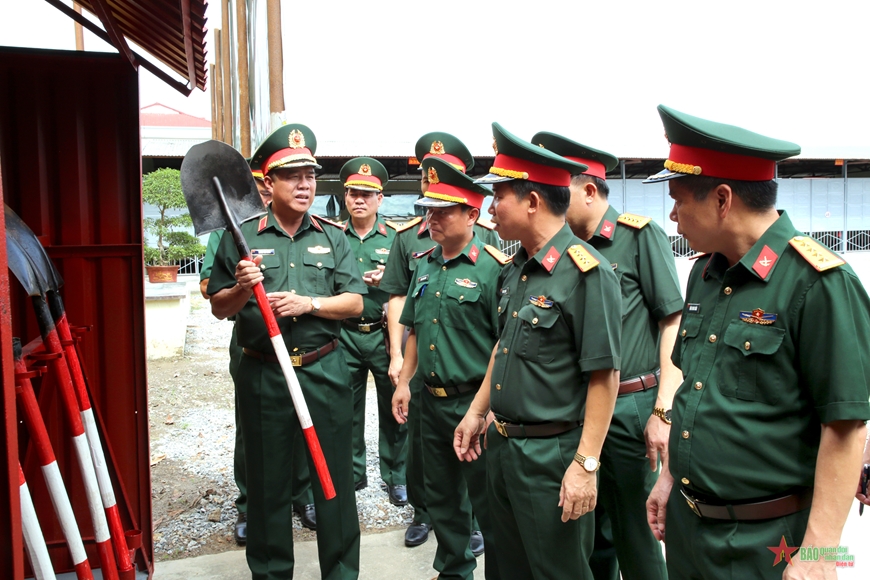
438	391
364	327
296	360
499	426
692	504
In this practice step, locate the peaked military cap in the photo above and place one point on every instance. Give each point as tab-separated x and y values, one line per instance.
255	169
599	162
518	159
444	146
288	146
707	148
449	186
364	173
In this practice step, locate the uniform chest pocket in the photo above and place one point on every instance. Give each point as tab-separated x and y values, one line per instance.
459	307
691	326
503	302
748	366
378	258
273	276
535	324
318	272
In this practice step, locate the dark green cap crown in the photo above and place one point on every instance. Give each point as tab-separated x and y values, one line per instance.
576	152
444	146
364	173
449	186
290	145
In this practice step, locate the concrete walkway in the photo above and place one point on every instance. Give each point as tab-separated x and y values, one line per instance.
382	556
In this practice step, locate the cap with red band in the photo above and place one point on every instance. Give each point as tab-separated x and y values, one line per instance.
364	173
599	162
449	186
446	147
287	146
710	149
518	159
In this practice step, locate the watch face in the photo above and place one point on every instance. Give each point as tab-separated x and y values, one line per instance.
668	415
590	464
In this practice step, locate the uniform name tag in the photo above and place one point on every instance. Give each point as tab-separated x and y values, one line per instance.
422	278
504	291
613	266
319	250
694	308
263	252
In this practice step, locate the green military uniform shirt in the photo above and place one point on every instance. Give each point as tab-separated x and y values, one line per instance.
452	307
548	347
411	240
214	241
640	255
769	348
371	251
317	261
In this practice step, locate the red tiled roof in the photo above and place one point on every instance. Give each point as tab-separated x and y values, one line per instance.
163	116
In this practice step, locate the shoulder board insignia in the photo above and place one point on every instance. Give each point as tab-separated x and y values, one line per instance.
417	255
485	223
633	220
581	256
262	224
408	225
330	222
819	257
500	257
393	225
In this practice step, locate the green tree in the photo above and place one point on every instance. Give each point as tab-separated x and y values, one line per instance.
162	189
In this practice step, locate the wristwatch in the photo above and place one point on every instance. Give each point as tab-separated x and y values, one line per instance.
315	305
663	414
590	464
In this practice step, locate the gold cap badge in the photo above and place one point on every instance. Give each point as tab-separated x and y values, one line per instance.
494	146
297	139
433	175
437	148
364	169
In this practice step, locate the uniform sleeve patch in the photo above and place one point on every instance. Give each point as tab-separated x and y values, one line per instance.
409	225
500	257
485	223
633	220
819	257
583	258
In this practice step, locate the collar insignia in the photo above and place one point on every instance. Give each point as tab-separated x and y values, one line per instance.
319	250
466	283
437	148
296	139
473	253
766	260
550	259
383	229
262	224
541	301
607	229
758	316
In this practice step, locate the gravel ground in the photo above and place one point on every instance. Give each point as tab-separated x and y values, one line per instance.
192	438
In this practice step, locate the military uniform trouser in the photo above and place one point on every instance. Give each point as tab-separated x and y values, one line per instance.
524	478
300	484
414	461
450	484
707	549
625	481
271	431
367	352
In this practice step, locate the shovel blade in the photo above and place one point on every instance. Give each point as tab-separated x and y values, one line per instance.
31	246
217	159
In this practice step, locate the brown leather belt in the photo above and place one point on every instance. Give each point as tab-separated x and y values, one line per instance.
640	383
548	429
766	509
442	391
369	327
297	360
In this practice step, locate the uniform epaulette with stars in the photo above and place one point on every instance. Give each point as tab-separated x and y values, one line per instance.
581	256
326	221
633	220
485	223
409	225
500	257
418	255
819	257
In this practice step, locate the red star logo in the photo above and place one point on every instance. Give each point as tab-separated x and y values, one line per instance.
783	551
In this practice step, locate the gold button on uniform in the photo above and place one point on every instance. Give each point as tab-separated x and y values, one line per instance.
524	278
431	347
438	294
514	314
292	265
713	338
434	321
360	259
461	297
497	387
432	374
727	291
699	385
685	481
683	333
499	308
443	267
319	264
685	434
534	320
746	345
504	351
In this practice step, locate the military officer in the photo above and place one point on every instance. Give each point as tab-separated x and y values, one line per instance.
363	338
640	254
303	500
554	368
312	283
413	239
774	345
451	309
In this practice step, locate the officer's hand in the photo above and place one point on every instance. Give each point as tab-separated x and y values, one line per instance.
374	277
466	436
396	362
656	435
806	570
288	304
863	479
248	272
579	492
657	504
401	398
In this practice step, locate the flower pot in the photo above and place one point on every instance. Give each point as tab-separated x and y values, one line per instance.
162	274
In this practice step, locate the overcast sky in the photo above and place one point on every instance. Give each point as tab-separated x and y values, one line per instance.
388	71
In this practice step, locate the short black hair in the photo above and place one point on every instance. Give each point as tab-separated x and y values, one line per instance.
756	195
601	184
557	197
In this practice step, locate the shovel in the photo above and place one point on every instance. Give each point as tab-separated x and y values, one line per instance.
221	193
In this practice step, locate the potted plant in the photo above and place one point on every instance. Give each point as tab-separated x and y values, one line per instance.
174	242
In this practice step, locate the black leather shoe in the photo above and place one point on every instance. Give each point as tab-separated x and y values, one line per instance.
240	533
417	534
398	494
361	484
476	543
307	516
